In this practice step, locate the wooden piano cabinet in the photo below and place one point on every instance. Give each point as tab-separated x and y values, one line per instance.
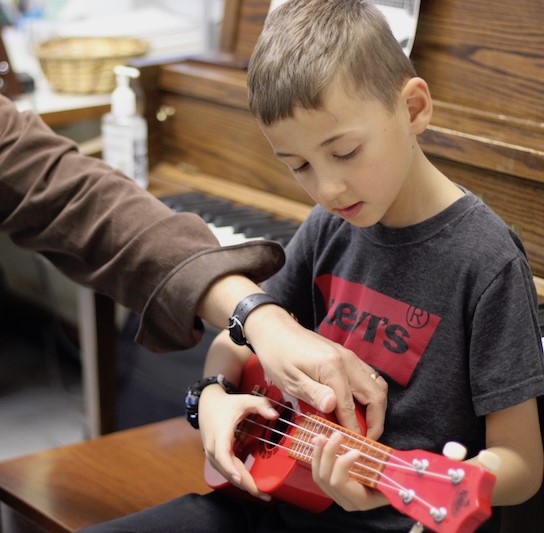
482	55
212	129
483	62
242	24
519	202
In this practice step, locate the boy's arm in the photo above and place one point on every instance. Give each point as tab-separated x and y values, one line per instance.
225	357
514	435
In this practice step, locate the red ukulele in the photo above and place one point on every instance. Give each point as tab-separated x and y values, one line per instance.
444	495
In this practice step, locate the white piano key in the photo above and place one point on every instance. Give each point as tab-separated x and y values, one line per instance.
226	236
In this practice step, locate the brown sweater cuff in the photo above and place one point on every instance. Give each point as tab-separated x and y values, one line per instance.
169	320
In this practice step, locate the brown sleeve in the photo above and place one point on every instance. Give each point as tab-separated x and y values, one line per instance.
103	231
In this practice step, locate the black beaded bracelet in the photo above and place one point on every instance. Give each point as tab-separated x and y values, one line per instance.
192	397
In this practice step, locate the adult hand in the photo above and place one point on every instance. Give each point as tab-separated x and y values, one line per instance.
321	372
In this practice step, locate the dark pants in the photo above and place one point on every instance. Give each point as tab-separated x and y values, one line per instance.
217	512
193	513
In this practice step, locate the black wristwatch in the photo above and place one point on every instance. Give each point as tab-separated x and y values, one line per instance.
192	397
242	311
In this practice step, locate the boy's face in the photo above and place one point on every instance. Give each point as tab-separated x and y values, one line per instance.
353	156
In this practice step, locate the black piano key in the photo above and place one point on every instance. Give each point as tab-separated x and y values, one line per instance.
258	228
284	241
176	201
198	203
229	219
209	206
242	225
207	210
211	211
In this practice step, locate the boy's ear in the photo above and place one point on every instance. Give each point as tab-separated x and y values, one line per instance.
417	98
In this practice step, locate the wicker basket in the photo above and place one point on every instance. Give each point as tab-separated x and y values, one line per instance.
84	65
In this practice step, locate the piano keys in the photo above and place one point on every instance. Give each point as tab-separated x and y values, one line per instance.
232	223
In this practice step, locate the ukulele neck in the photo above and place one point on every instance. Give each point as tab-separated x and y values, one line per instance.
373	455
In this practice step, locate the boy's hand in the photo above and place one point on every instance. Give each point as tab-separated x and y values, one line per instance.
330	470
219	415
321	372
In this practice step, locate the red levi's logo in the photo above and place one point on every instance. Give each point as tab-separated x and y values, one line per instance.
386	333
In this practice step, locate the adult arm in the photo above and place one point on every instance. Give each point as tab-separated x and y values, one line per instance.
103	231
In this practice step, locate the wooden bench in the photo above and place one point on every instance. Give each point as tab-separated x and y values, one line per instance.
63	489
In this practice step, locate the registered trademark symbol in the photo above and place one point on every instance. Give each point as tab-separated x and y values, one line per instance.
417	318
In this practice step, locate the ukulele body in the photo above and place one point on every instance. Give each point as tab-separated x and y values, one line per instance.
265	450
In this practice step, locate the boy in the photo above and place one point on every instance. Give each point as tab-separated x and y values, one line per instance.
398	263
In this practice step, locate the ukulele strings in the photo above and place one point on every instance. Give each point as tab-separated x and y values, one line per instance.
405	493
383	481
307	456
399	464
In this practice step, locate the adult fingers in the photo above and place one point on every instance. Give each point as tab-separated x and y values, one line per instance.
370	390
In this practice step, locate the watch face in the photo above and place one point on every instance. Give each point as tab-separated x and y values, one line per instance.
192	398
191	406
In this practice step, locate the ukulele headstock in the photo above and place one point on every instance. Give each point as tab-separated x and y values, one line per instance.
445	495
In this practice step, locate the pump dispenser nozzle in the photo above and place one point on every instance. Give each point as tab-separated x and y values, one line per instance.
124	131
123	98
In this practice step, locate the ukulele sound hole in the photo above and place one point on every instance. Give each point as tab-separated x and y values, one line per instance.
278	429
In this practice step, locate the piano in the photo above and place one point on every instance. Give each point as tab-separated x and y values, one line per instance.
483	62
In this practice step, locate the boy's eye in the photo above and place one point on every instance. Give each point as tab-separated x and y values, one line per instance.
300	168
349	155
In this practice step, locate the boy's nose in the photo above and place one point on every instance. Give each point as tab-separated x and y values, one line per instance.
329	188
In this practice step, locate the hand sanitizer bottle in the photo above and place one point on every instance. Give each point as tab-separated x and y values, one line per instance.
124	132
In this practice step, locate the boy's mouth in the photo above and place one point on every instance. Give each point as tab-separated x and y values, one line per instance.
351	211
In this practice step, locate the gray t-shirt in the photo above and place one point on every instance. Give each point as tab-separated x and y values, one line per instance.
445	310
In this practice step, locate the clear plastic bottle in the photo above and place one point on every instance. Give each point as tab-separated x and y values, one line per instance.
124	132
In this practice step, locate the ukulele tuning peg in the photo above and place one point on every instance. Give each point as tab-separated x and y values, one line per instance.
454	450
489	460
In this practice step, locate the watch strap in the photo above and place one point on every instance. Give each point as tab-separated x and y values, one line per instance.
242	311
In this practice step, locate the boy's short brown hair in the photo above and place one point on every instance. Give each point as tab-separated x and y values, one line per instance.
306	44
